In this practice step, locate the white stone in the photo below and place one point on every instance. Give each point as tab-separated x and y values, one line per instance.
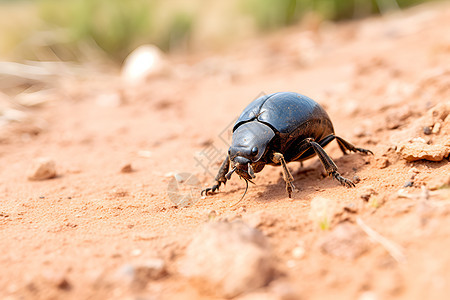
144	61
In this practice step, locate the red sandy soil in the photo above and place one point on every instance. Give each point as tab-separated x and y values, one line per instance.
68	237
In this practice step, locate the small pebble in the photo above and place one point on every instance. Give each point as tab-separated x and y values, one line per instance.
418	140
382	162
43	168
144	153
212	214
241	210
351	208
436	128
356	179
409	183
427	130
298	252
366	193
119	192
59	280
126	169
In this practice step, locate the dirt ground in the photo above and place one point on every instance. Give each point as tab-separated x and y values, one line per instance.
381	80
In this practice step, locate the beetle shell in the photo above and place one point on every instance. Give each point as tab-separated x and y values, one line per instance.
292	117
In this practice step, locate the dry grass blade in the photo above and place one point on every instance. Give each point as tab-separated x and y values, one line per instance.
392	248
24	71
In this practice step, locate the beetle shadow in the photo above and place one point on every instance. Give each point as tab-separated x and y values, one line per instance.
311	177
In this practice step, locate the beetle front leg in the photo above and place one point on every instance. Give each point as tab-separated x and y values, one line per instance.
278	158
220	177
329	164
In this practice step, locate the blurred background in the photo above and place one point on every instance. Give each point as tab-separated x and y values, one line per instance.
117	98
108	30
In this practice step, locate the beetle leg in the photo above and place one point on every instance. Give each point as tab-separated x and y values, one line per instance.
329	164
344	145
278	158
220	177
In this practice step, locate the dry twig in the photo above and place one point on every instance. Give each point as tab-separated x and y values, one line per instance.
392	248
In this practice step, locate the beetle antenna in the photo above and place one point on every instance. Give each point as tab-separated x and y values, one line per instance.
245	192
228	175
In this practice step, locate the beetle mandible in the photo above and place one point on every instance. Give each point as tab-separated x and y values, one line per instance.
277	129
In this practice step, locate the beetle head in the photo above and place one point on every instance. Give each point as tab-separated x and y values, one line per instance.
248	146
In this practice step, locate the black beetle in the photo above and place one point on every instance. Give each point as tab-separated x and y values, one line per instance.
276	129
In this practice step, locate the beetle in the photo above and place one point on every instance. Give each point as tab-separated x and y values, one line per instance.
277	129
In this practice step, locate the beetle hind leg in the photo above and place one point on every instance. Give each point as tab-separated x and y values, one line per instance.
278	158
344	145
329	164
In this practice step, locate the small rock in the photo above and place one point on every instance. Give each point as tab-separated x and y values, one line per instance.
382	162
230	256
427	130
366	192
57	279
126	169
409	183
298	252
418	150
351	208
345	241
418	140
119	192
212	215
43	168
436	128
144	153
145	61
356	179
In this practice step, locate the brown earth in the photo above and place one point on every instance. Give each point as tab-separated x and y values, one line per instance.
382	80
